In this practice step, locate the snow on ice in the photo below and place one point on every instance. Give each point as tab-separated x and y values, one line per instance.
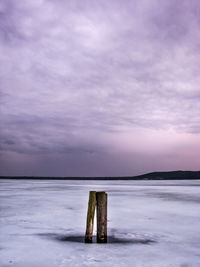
150	223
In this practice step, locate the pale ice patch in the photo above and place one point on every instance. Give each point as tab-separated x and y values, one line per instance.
150	223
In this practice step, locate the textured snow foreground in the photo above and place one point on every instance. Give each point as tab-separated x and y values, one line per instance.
150	223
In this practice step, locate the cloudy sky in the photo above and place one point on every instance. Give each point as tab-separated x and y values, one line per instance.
99	87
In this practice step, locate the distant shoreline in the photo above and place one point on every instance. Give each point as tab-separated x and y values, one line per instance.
172	175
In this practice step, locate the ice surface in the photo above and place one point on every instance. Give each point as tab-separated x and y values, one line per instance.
151	223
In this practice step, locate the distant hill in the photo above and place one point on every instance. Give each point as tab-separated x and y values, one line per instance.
172	175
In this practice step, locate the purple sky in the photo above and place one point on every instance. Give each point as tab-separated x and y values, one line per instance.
107	87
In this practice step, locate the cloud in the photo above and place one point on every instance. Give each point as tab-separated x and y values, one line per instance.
75	74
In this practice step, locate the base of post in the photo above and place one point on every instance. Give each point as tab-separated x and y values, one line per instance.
102	240
88	239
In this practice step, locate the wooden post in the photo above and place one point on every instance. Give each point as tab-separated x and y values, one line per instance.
101	217
90	217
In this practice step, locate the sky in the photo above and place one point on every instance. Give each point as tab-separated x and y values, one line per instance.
99	87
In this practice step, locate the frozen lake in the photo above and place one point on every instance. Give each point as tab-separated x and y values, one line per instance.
150	223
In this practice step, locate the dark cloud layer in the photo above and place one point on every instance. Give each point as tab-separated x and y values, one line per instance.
80	78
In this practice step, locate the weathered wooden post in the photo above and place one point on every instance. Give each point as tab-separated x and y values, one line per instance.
90	217
101	199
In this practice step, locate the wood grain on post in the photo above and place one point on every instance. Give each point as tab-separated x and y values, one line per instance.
90	217
101	198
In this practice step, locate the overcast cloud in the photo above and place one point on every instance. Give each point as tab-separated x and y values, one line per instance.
99	87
